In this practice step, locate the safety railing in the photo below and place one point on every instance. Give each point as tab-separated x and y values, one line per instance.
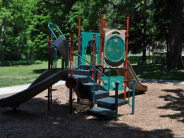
76	47
51	29
133	96
101	72
95	70
55	51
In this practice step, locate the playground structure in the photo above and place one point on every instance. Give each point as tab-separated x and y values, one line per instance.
89	80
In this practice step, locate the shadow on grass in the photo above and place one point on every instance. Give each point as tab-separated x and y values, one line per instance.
157	71
32	119
176	103
154	71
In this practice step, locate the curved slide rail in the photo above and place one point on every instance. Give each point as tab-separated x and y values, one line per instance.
45	80
139	87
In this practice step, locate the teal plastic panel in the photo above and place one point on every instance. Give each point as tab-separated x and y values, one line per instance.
113	79
86	37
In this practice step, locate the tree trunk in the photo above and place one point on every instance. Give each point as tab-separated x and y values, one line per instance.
144	37
175	54
153	61
167	51
1	42
144	55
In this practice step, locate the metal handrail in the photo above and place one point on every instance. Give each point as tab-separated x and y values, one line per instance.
100	60
58	29
133	96
78	38
95	76
89	76
90	64
101	72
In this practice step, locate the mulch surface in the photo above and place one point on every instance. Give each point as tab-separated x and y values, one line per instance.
159	112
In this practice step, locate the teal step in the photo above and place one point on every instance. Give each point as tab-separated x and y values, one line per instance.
90	86
101	112
82	72
101	94
109	102
81	78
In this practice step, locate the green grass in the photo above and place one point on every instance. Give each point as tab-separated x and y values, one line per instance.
154	71
22	74
26	74
157	71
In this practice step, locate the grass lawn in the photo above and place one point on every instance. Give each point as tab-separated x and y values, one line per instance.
22	74
26	74
155	71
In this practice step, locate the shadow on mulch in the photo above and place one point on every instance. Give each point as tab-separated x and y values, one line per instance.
176	103
59	123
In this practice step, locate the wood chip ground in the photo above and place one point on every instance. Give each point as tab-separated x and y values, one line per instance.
159	113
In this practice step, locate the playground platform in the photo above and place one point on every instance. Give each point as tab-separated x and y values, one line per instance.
14	89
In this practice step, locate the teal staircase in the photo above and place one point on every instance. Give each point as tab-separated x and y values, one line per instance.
106	106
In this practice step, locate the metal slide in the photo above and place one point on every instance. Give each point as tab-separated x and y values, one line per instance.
139	87
45	80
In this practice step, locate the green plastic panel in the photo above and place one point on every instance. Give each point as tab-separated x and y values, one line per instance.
113	79
86	37
115	48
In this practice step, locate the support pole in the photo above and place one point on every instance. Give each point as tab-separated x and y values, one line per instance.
70	100
93	59
71	69
133	97
79	35
116	101
93	62
125	80
49	44
104	22
71	55
101	41
104	26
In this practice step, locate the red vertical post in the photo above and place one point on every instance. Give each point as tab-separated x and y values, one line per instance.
71	55
104	22
79	35
101	41
71	68
104	26
125	80
93	62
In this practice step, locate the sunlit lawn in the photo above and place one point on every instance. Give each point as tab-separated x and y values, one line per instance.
26	74
22	74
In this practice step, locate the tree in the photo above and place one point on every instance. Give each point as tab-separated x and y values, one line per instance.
175	54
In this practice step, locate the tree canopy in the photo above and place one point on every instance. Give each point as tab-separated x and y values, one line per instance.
24	31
